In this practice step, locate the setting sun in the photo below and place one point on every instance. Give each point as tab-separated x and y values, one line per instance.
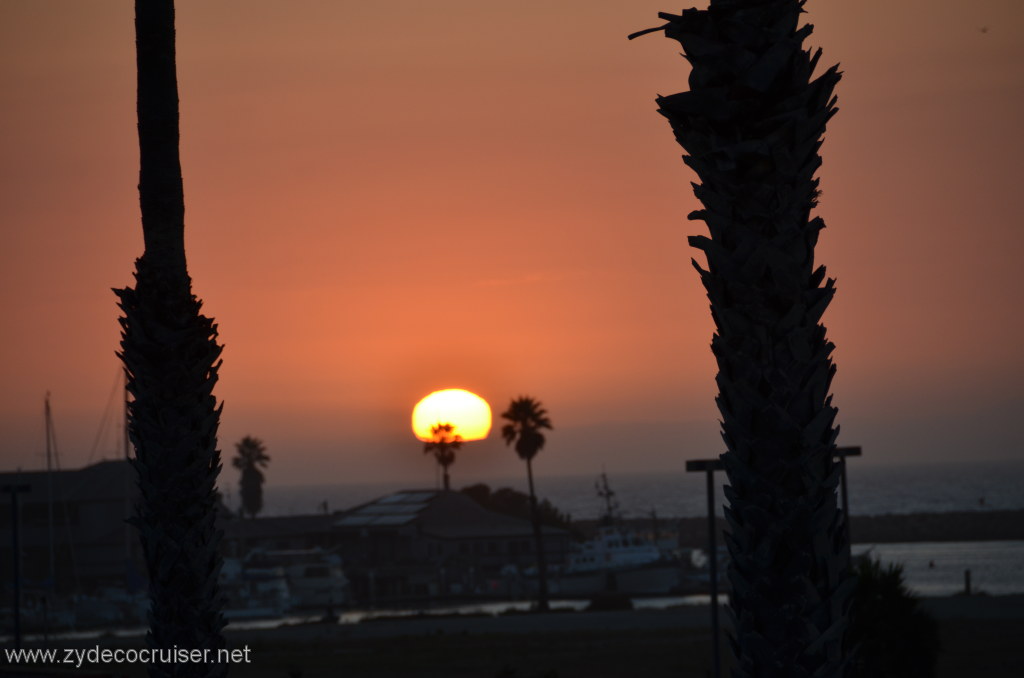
468	413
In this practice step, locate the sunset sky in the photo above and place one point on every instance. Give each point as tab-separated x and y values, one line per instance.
384	199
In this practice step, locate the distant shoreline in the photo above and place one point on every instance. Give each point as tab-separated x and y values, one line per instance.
880	529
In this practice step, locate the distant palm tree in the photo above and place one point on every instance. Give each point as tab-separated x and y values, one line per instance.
526	420
171	357
751	124
252	455
443	446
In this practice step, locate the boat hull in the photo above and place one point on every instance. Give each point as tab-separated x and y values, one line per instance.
647	580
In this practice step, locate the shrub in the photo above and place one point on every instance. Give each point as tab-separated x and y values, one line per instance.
890	636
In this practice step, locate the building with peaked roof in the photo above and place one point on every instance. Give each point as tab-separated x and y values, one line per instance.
72	528
425	543
276	533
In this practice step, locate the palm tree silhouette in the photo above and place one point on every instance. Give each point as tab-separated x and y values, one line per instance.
751	124
443	445
252	455
171	358
526	420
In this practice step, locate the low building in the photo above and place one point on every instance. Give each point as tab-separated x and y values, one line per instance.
415	544
427	543
277	533
72	528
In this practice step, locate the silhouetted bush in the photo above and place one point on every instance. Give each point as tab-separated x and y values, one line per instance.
890	636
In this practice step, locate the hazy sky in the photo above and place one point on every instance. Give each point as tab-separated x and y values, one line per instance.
385	199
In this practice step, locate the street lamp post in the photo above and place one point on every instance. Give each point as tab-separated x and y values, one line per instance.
14	491
709	466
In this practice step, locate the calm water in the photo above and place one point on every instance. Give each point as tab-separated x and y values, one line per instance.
931	569
937	569
874	490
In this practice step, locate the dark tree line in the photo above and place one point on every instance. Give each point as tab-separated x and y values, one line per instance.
511	502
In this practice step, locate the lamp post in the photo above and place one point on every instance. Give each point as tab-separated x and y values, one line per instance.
709	466
14	491
842	453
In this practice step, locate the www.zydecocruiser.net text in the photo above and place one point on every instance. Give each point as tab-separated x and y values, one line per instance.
79	657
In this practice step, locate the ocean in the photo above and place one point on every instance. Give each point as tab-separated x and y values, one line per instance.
874	490
931	569
937	569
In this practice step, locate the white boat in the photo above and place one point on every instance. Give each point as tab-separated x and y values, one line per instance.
612	549
314	576
253	592
617	560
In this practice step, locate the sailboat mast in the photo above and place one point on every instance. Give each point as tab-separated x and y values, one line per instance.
127	486
607	494
48	419
127	442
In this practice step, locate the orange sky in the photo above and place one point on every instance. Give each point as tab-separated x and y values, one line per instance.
386	199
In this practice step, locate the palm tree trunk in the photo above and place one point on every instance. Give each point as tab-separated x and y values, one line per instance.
171	358
538	538
751	124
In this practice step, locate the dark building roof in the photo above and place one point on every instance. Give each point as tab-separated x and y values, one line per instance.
103	481
442	514
277	526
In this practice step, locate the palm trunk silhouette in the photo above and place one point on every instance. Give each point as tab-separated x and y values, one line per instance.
171	357
751	124
443	445
538	538
526	419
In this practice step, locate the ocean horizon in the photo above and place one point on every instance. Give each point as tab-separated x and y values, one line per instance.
874	490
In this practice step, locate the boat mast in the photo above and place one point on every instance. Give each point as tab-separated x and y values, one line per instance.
127	487
48	425
608	495
126	441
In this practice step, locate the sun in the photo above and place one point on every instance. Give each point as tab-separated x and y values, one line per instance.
468	413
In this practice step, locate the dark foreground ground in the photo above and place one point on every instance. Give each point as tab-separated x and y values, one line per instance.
981	637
